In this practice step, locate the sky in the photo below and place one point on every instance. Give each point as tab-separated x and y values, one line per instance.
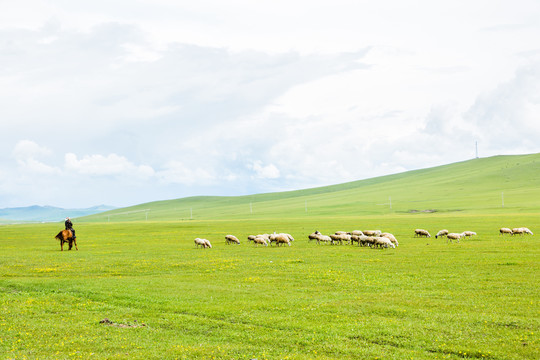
126	102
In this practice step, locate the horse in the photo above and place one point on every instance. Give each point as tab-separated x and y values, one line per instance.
66	236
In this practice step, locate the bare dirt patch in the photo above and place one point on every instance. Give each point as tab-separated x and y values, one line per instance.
122	325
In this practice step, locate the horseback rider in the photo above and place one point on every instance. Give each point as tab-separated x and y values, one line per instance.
69	226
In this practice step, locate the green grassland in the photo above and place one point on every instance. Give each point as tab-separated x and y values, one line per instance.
478	185
166	299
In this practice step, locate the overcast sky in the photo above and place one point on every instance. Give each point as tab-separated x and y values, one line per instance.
124	102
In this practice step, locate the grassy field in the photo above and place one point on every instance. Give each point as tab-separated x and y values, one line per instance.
138	288
166	299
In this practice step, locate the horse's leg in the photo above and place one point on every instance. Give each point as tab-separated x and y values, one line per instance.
75	242
61	245
70	242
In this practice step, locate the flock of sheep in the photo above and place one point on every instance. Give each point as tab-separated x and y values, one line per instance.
450	237
456	236
515	231
371	238
262	239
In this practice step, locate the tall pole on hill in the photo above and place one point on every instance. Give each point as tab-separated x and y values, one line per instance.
476	143
502	198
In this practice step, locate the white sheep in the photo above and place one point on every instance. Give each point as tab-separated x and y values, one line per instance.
521	231
280	239
259	240
421	232
355	238
527	231
289	236
357	232
202	242
231	239
382	242
372	232
504	230
367	241
441	233
324	238
453	236
341	238
468	233
314	235
391	237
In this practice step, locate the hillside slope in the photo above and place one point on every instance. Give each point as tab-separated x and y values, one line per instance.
477	185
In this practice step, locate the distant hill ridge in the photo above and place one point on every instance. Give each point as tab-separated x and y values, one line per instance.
36	213
504	183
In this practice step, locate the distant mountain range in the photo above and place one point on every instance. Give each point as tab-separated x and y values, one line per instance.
46	213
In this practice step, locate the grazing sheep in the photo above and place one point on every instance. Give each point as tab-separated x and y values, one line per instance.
357	232
468	233
324	238
367	241
251	237
320	237
342	233
231	239
265	236
382	242
372	232
314	235
202	242
519	231
355	238
421	233
522	231
503	231
391	237
453	236
341	238
441	233
280	239
272	238
289	236
259	240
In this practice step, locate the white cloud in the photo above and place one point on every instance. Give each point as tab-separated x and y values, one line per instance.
269	171
27	149
173	99
26	153
176	172
100	165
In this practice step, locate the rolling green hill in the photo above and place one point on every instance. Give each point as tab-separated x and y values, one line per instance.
473	186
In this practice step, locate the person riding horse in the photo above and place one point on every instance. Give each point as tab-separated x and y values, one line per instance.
69	226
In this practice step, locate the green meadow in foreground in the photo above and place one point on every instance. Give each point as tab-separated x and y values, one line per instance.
166	299
139	288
